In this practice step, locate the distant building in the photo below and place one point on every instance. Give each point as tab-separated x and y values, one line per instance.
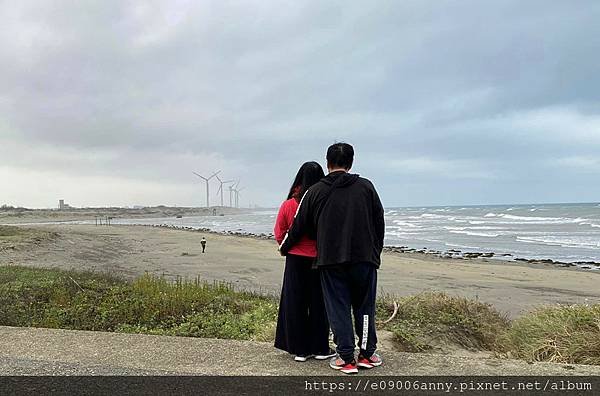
62	205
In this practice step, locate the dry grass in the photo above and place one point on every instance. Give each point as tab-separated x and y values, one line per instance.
431	321
12	238
561	334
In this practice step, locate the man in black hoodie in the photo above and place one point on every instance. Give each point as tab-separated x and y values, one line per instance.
344	214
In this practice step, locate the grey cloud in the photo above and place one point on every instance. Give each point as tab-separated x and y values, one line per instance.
442	96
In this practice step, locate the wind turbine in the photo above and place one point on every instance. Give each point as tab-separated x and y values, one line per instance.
231	196
231	190
221	187
206	179
237	196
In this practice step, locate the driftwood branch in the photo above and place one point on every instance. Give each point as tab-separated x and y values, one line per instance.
388	320
78	285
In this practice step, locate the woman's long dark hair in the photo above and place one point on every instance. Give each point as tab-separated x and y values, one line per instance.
308	174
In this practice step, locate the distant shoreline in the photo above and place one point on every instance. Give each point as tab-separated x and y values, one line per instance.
448	254
89	216
49	216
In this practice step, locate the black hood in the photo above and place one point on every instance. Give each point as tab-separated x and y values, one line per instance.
347	222
345	179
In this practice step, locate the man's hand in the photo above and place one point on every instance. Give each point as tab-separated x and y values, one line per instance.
281	253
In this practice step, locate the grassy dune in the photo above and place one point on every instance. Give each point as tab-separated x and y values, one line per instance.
91	301
431	321
152	305
567	334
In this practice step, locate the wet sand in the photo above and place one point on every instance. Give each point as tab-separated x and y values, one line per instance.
255	264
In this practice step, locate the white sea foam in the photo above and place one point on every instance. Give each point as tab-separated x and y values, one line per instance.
432	216
405	224
401	234
465	232
563	241
430	240
491	215
461	246
489	228
532	218
517	220
485	228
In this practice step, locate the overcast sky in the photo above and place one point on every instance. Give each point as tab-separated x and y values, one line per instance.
446	102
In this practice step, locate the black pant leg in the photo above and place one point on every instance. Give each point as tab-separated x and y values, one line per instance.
292	333
318	321
337	297
364	289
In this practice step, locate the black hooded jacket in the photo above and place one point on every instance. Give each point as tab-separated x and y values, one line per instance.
345	216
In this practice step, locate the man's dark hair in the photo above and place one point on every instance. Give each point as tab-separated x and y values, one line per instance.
340	155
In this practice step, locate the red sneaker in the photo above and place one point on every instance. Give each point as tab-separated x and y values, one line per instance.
368	363
337	363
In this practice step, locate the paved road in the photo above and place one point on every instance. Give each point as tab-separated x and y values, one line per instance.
29	351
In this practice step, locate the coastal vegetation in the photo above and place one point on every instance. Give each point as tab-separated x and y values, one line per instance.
53	298
14	237
435	321
562	334
11	214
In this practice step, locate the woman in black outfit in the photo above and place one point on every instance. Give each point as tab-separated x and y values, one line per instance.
302	325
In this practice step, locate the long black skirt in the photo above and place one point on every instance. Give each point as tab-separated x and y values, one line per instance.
302	325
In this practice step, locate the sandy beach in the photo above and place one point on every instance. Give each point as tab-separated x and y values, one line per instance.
255	264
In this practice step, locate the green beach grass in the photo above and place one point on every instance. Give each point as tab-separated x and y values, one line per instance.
52	298
90	301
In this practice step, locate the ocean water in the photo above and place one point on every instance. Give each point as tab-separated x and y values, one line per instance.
564	232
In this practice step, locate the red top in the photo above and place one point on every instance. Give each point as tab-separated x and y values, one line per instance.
285	218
